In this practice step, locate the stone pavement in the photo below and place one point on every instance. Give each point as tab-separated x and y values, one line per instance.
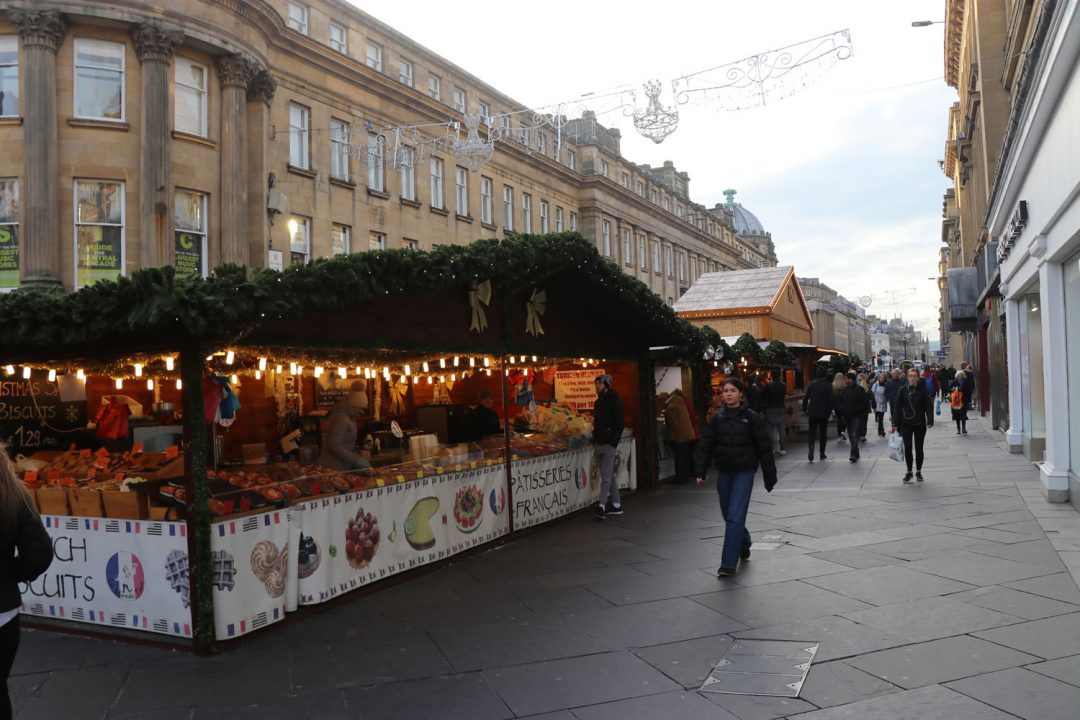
953	599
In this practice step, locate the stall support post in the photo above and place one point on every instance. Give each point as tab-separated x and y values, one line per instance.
647	450
196	460
507	429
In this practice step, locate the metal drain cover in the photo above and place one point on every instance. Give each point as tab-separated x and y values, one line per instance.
762	667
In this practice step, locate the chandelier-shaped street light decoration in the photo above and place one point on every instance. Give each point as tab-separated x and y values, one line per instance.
766	77
473	151
655	122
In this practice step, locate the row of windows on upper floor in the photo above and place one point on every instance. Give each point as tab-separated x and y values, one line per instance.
99	95
459	100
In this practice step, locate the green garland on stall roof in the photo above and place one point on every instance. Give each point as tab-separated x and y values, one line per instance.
777	353
747	347
233	300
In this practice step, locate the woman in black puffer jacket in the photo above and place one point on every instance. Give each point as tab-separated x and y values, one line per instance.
21	530
910	413
737	440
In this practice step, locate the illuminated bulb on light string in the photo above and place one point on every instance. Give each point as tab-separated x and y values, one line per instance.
80	374
149	383
342	373
442	362
262	364
292	368
169	363
119	383
408	370
230	357
26	373
472	362
278	369
453	377
425	367
318	371
138	369
415	379
429	380
179	384
234	379
9	369
52	376
258	374
456	360
487	362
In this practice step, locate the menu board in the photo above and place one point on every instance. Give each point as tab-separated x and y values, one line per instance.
577	388
36	414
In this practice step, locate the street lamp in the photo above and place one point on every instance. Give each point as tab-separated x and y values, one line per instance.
926	23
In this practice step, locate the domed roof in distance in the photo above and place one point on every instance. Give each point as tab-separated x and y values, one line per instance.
746	223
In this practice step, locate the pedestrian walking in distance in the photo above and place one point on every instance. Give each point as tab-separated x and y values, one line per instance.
775	415
608	423
877	395
737	442
25	552
853	403
839	384
959	403
913	405
818	405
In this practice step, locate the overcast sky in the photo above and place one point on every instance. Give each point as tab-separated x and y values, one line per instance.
844	174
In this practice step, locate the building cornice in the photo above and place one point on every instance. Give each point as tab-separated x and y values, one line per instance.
954	35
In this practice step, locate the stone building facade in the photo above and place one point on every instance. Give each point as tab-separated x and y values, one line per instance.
839	324
268	132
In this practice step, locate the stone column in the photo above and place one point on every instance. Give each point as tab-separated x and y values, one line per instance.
154	47
1054	469
235	73
41	32
1015	434
260	94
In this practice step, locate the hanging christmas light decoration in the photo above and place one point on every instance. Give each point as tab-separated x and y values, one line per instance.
656	122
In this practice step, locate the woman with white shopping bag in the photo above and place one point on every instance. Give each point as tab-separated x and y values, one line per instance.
910	415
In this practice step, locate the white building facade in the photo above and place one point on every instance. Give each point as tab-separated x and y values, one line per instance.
1034	215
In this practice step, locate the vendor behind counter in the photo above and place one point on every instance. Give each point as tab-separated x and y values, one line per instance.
339	443
482	420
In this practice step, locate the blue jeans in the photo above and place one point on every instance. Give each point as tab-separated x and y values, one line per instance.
734	489
609	489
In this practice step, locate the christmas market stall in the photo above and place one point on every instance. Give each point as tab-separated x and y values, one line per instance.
210	454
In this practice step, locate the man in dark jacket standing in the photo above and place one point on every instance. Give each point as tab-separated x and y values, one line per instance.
608	423
893	387
818	404
853	404
773	399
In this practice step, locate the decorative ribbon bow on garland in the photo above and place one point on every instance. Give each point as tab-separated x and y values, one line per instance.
536	306
479	295
397	398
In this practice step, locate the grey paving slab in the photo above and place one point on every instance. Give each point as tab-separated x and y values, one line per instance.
987	520
629	626
1037	552
837	683
760	605
778	568
377	659
938	661
838	636
170	714
473	611
928	703
997	536
1049	638
1066	669
912	548
511	643
75	693
758	707
1059	587
855	557
561	600
978	569
1023	693
930	618
21	688
330	705
558	715
1015	602
575	682
455	697
835	524
588	575
679	705
889	584
687	662
645	588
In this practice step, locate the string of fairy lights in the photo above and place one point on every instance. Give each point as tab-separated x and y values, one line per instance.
155	372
